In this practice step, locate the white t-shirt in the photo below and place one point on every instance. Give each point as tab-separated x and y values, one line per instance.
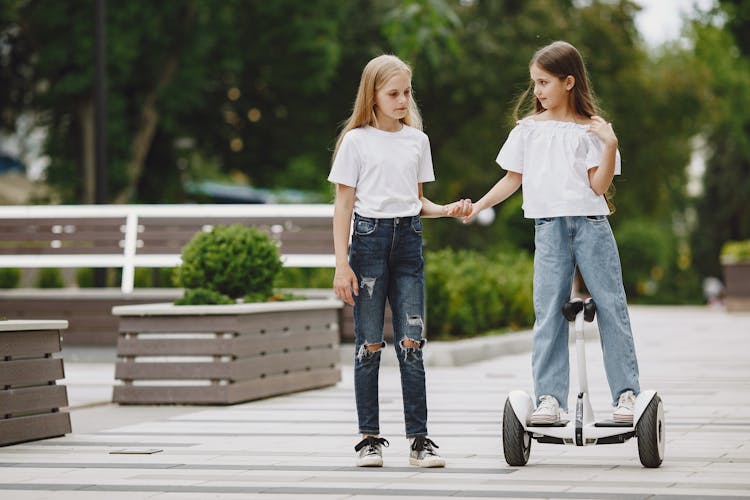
385	168
554	158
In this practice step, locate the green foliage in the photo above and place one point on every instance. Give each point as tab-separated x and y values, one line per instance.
203	296
470	293
85	277
236	261
49	277
165	277
10	277
645	251
722	60
305	277
735	251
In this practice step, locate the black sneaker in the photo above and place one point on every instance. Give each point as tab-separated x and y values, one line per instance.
370	451
423	453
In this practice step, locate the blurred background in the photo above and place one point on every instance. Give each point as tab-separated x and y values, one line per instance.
240	101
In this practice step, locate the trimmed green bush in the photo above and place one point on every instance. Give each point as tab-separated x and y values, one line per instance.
10	277
235	261
49	277
204	296
470	293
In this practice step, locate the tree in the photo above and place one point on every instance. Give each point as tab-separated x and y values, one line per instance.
173	69
721	56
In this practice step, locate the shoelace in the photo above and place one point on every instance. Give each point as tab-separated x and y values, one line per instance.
371	442
627	400
546	403
422	443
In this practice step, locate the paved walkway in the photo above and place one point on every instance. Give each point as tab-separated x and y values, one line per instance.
301	445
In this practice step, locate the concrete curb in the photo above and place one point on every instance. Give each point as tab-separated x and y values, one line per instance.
456	352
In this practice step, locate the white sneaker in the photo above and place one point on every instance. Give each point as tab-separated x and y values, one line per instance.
548	411
424	453
370	451
624	412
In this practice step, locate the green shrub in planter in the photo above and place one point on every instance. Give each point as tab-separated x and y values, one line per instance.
734	252
10	277
229	262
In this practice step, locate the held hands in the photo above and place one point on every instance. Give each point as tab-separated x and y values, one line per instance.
460	208
345	284
475	209
603	130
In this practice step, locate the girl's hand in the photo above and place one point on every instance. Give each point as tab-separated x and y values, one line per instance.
475	209
603	130
345	284
460	208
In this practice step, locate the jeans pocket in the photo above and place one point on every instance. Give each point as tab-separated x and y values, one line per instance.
364	226
416	224
542	222
596	218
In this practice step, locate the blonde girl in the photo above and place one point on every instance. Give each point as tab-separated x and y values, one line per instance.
381	159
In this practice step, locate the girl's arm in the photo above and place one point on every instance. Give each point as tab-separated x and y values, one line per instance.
459	208
505	187
601	177
344	280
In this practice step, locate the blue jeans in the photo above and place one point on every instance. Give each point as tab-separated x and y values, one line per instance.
562	243
386	256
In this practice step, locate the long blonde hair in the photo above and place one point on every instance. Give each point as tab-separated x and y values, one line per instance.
376	73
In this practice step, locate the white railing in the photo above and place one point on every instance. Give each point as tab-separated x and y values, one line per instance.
129	259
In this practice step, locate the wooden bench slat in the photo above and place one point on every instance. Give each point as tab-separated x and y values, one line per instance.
28	399
229	394
257	323
21	429
239	346
240	369
30	371
37	342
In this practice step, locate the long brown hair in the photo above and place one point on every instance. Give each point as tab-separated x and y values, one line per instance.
562	60
377	72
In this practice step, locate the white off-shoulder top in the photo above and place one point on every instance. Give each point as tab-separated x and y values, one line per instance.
554	158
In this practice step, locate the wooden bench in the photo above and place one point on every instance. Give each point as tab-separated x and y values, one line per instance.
30	399
133	236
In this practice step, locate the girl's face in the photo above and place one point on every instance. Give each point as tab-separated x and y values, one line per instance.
550	90
392	101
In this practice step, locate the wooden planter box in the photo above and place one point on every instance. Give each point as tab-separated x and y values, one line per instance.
737	283
30	399
87	310
225	354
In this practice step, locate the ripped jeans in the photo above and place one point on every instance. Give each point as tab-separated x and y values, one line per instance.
386	256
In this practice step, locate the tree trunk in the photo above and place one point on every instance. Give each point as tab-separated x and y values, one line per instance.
149	119
86	116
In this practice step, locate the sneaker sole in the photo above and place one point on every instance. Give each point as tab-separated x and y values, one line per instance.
370	462
431	463
534	421
623	420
